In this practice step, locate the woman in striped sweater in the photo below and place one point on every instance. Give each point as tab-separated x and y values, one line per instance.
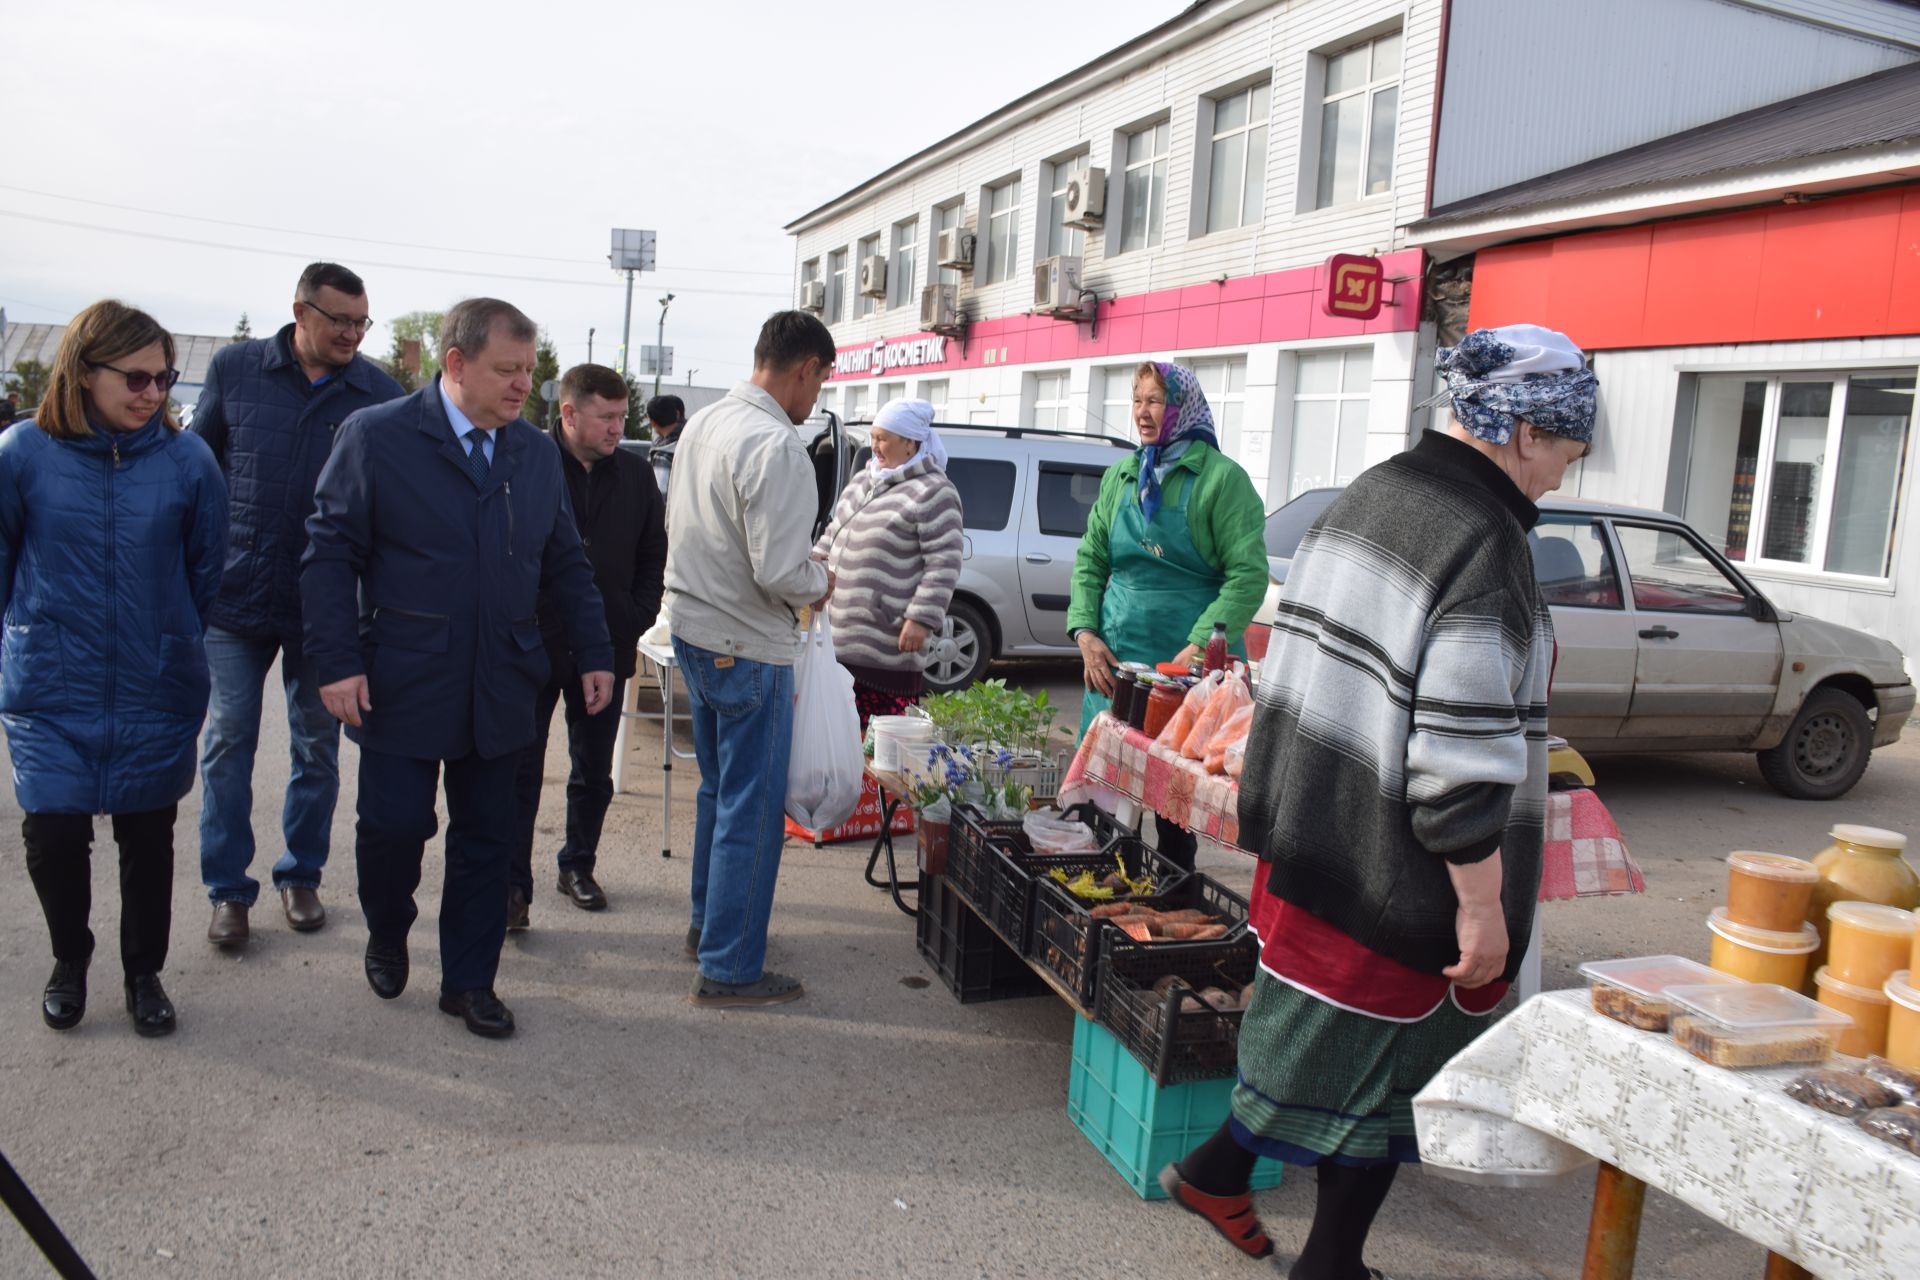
894	547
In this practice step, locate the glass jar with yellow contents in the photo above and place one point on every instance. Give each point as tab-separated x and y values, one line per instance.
1863	864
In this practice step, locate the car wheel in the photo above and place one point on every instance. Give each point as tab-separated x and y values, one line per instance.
965	660
1825	751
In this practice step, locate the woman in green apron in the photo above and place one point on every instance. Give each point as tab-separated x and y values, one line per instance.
1174	543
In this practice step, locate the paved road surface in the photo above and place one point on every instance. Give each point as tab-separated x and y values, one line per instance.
297	1126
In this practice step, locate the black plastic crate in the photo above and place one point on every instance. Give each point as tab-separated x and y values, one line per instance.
1177	1037
973	963
1013	870
1062	933
977	863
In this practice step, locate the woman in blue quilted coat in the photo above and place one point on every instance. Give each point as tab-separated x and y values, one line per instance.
113	528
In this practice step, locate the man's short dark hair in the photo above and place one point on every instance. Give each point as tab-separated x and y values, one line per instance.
328	275
469	325
584	380
789	337
667	411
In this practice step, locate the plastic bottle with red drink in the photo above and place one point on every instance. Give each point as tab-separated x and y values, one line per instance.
1216	648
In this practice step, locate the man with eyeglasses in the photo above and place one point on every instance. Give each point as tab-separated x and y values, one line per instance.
270	410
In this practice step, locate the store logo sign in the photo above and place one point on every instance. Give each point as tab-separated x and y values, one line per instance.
883	356
1356	287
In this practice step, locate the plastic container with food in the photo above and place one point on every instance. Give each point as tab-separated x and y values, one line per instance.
1867	942
1903	1021
1634	991
1867	1006
1769	890
1762	955
1753	1025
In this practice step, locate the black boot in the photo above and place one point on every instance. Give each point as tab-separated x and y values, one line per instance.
64	1002
147	1002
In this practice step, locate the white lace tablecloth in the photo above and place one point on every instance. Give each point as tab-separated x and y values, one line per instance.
1555	1085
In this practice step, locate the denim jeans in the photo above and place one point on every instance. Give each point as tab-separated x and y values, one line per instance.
742	736
239	666
590	742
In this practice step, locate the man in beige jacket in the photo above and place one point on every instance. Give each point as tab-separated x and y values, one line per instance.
740	516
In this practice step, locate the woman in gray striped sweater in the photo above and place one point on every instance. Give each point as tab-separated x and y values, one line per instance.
894	546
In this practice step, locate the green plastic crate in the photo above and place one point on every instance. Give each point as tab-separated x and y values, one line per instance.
1140	1126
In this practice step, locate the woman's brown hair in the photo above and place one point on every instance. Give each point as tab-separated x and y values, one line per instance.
1148	369
105	332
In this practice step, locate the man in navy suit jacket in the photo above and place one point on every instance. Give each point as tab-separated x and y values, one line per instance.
438	522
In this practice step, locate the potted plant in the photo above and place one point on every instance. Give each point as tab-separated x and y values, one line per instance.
944	782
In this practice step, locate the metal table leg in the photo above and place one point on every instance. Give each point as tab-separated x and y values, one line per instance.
889	805
666	761
1613	1232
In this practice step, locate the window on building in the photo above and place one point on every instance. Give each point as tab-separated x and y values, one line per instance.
1237	179
867	248
888	391
1330	398
856	404
934	391
836	286
1357	116
1800	470
1066	495
947	218
900	274
809	272
1050	405
1113	416
1224	380
1003	232
1061	238
1144	191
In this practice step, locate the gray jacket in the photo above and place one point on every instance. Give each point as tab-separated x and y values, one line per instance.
740	515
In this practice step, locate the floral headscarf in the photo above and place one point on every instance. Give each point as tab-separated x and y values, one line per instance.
1496	376
1187	419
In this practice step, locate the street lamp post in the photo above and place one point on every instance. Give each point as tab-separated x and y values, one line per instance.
660	343
589	344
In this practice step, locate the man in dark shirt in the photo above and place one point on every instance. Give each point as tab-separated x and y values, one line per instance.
621	518
666	415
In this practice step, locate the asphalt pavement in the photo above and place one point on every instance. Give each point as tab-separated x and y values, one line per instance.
297	1126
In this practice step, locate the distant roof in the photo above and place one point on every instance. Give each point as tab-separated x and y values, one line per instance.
1873	111
39	342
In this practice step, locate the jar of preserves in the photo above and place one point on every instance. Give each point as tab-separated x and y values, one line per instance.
1863	864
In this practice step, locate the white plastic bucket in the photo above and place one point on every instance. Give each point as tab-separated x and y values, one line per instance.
896	738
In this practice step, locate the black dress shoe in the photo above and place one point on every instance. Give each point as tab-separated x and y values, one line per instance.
517	905
582	891
147	1002
386	969
482	1011
64	1002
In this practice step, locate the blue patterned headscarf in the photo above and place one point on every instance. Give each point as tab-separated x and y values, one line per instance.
1187	419
1496	376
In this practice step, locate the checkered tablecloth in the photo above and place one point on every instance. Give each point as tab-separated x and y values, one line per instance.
1584	856
1554	1086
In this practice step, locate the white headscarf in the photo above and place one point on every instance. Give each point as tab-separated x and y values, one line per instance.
910	420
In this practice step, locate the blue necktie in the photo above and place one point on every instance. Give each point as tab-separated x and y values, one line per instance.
477	456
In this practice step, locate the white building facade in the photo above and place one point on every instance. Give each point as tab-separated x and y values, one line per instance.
1238	147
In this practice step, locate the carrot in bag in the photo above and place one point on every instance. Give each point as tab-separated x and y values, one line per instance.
1234	730
1182	720
1231	694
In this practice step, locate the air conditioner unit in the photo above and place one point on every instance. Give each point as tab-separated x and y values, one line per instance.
1087	198
954	248
873	277
939	306
813	296
1056	284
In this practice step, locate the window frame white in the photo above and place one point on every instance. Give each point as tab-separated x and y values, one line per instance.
1341	396
1314	127
836	285
1001	260
865	304
1160	131
948	216
1057	386
1056	238
809	272
1753	557
901	272
1250	208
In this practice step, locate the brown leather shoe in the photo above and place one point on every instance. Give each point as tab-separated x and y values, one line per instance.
304	912
229	925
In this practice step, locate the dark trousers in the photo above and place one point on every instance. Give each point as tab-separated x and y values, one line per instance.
590	742
59	860
397	820
1175	843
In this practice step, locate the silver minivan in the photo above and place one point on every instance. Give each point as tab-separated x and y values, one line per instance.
1025	495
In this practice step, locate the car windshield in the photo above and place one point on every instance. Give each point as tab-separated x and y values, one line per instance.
1289	524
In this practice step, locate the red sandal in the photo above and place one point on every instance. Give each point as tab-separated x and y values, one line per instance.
1231	1216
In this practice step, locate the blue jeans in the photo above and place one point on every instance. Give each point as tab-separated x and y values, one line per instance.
742	736
239	666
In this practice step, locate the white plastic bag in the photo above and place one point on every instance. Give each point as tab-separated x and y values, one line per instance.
825	768
1050	833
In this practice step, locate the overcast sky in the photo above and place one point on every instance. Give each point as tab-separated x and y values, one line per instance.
469	143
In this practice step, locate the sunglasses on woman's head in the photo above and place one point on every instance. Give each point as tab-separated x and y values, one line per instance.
139	380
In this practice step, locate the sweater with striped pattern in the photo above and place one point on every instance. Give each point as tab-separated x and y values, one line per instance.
894	545
1402	717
